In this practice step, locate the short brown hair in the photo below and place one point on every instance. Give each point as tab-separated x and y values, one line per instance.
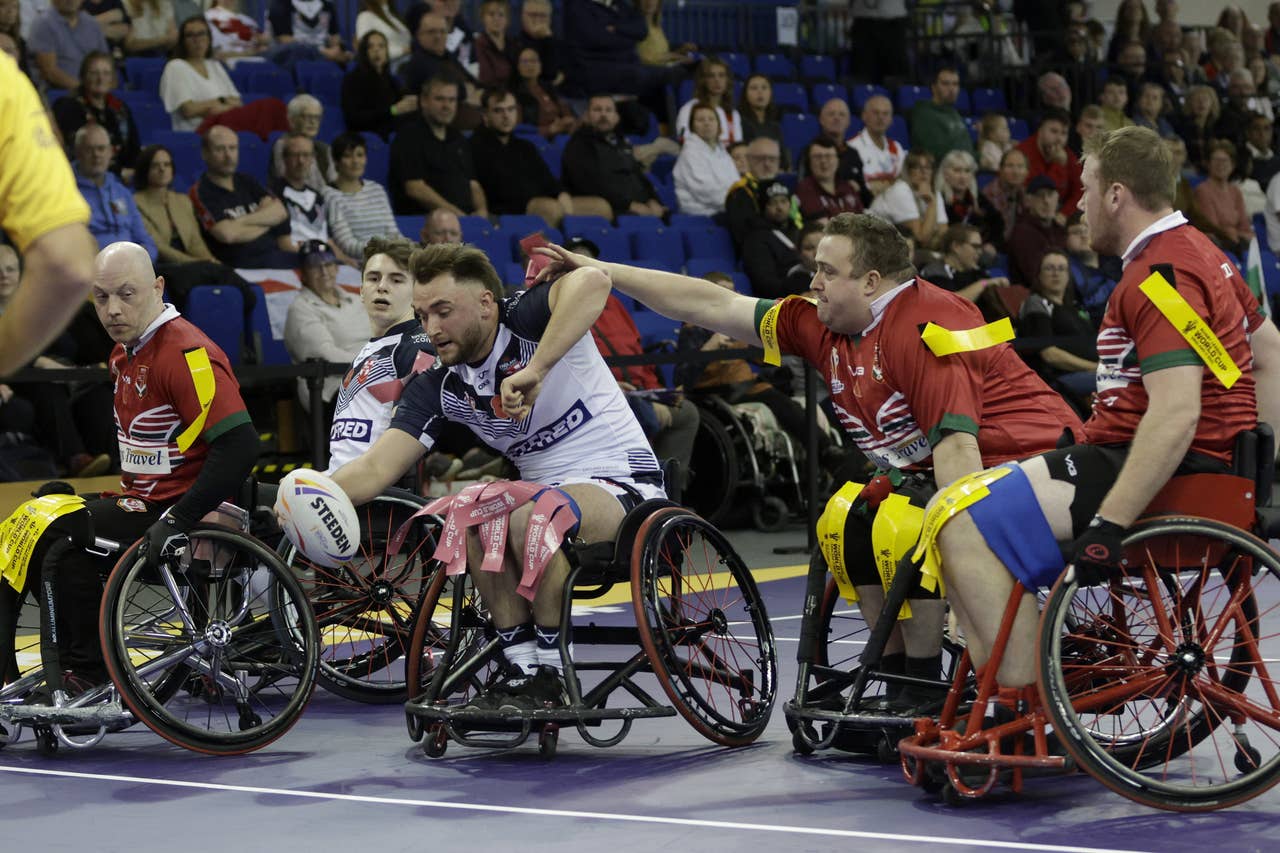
877	245
398	249
958	233
1136	158
465	263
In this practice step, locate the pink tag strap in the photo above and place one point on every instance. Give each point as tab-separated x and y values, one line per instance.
552	519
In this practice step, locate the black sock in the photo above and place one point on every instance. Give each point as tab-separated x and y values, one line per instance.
894	664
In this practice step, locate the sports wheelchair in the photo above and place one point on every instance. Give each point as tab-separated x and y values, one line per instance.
701	630
1157	683
213	647
365	607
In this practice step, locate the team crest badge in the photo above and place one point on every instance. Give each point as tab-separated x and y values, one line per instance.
131	505
836	385
141	382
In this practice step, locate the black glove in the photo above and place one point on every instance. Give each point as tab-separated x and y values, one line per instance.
162	538
1098	553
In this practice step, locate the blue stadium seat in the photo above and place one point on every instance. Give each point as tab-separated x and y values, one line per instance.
495	245
614	245
988	101
1260	228
474	226
962	102
908	95
264	78
813	67
742	284
320	77
790	95
859	95
666	192
789	179
823	92
410	225
855	126
798	129
553	154
253	156
655	328
631	222
691	221
515	236
711	243
985	178
133	99
1018	129
650	133
379	160
150	119
738	63
775	66
684	93
143	72
662	167
1270	272
521	224
332	121
663	246
270	349
219	312
512	274
576	225
698	267
185	148
898	131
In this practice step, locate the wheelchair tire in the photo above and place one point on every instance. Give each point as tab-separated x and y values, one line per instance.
1147	679
433	624
219	657
365	607
703	625
714	474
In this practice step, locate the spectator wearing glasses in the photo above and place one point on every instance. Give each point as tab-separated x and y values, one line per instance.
912	204
823	194
305	115
94	103
744	206
961	270
1051	311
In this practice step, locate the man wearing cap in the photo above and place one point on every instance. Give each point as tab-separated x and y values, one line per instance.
771	252
743	204
324	322
1048	154
1036	231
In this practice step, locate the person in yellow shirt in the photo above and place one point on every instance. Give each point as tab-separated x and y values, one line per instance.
45	218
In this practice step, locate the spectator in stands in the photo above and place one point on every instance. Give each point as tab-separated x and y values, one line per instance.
1177	80
1241	103
600	40
956	181
430	162
1050	311
878	39
1273	29
1222	203
1132	65
1264	161
770	255
1004	198
738	151
198	93
1132	25
1148	110
1233	20
1199	116
241	220
912	203
325	322
115	24
1093	283
713	84
11	40
598	161
1088	125
822	194
513	174
1184	193
113	216
799	276
1047	154
961	270
881	156
743	204
656	49
936	125
357	207
373	100
1037	231
993	141
833	125
1166	37
1079	69
235	36
306	114
379	16
311	22
704	171
441	226
1054	91
540	104
1225	56
431	59
154	29
308	214
61	37
495	53
1113	100
94	103
760	115
460	35
535	32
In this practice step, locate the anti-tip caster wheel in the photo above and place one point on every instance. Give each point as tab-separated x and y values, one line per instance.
436	741
548	738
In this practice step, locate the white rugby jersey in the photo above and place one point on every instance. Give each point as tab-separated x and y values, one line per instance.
579	426
371	388
879	164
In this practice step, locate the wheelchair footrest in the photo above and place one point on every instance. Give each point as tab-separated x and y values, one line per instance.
858	719
109	714
503	720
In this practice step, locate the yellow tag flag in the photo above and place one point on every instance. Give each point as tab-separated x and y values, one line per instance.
20	532
942	341
960	495
769	330
1190	325
202	377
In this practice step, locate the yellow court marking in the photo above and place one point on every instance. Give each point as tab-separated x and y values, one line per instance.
621	593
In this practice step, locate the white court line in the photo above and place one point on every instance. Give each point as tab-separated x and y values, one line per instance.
605	816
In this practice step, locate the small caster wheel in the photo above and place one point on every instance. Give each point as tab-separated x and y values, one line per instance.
951	796
8	734
933	780
770	514
548	738
886	750
249	720
416	729
1248	758
803	737
46	742
436	741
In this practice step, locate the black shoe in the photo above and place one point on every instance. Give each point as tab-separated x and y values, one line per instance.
541	690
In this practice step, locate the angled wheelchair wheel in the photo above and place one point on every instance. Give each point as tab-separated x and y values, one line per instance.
365	607
714	473
20	666
1159	684
842	632
435	628
216	650
703	626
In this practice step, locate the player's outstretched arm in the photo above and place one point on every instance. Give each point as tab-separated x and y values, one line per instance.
680	297
373	472
58	270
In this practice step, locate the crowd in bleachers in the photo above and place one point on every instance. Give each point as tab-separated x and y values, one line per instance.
228	138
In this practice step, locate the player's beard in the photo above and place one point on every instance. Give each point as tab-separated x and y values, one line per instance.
467	346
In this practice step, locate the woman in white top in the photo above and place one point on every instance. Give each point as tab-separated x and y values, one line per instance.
154	29
357	208
713	84
704	170
378	16
912	202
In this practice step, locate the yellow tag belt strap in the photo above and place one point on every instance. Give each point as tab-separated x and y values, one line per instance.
958	496
1192	327
20	532
202	378
893	531
831	535
942	341
769	331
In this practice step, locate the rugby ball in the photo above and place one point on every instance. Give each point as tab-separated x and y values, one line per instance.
318	518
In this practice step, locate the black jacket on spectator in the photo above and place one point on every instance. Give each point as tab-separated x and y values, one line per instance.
510	172
1030	239
445	165
551	51
422	66
601	53
367	97
72	112
768	258
602	164
742	210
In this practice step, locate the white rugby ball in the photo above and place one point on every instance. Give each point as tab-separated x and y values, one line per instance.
318	517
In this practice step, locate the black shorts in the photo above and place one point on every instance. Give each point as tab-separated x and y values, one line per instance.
859	554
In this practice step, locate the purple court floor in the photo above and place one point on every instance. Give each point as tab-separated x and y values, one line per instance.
348	775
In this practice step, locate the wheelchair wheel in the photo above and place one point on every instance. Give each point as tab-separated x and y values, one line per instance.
714	471
215	651
433	625
1147	680
365	607
703	626
842	632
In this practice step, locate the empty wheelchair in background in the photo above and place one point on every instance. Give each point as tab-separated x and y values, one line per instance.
213	647
364	608
700	629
